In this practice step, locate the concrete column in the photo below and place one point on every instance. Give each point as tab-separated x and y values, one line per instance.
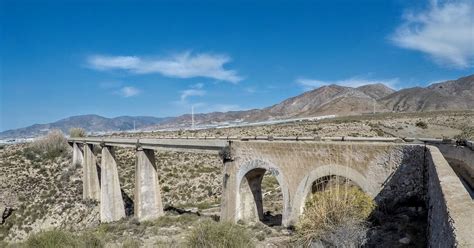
77	156
229	210
250	202
90	178
148	205
111	202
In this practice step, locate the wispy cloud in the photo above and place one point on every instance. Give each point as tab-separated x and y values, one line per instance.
195	90
183	65
224	107
309	84
128	91
203	107
445	31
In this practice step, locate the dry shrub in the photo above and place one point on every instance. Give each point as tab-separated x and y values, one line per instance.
51	146
219	235
77	132
57	238
334	215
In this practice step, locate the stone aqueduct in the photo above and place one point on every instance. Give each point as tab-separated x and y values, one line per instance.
386	168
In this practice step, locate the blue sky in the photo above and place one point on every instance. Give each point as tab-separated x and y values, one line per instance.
157	58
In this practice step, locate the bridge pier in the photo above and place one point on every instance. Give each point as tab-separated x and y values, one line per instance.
90	182
147	200
251	202
77	155
111	202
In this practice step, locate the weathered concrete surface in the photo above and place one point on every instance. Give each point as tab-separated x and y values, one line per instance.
147	202
296	165
461	158
90	178
194	145
111	202
77	155
451	209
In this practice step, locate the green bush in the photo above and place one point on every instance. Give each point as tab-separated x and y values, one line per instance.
77	132
338	210
219	235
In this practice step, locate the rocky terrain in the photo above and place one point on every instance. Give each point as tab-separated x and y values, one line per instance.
447	124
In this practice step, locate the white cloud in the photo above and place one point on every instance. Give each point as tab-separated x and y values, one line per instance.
309	84
194	90
224	107
191	92
445	31
183	65
128	91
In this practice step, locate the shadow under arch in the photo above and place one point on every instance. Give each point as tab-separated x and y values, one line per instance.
249	191
304	187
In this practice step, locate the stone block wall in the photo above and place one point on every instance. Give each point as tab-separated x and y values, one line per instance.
451	209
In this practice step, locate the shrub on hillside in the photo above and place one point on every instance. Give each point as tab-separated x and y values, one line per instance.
51	146
421	124
57	238
334	215
77	132
218	235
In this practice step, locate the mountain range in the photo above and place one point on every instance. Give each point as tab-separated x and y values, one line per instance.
91	123
326	100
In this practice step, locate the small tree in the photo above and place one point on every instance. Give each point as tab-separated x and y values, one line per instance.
77	132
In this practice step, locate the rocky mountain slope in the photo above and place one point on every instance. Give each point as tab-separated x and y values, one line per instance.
450	95
91	123
340	100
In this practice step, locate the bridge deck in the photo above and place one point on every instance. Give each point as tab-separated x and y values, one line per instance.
216	144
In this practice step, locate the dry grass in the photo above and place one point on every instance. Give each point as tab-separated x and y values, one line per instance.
219	235
57	238
76	132
50	146
337	211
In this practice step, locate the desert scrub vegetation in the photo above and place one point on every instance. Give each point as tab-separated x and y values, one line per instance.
57	238
77	132
219	235
335	216
421	124
50	146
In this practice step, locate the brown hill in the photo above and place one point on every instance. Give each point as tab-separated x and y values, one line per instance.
376	91
339	100
450	95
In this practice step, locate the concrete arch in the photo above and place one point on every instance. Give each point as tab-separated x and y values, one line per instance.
254	170
306	183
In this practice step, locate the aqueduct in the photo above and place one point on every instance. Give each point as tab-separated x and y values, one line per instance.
389	169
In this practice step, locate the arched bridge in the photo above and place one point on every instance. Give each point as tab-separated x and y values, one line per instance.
386	168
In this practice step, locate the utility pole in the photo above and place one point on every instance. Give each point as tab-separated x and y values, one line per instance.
192	117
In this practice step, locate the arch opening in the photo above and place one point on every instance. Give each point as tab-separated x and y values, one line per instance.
326	182
261	197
